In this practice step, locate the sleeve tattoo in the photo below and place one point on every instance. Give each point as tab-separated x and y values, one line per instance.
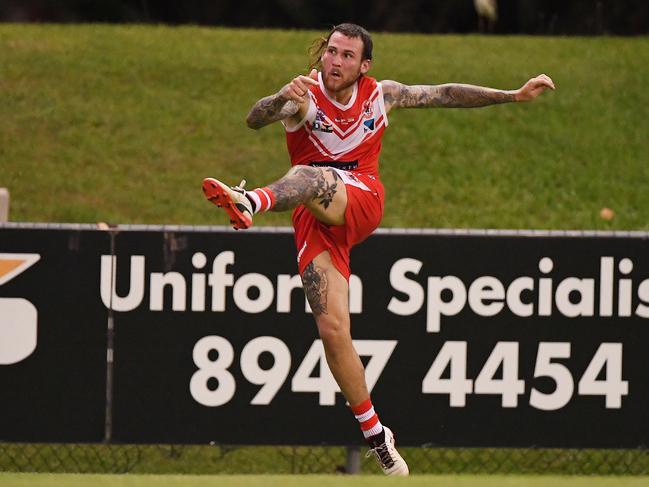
270	109
451	95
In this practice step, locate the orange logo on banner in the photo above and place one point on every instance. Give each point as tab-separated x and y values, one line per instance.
7	266
18	316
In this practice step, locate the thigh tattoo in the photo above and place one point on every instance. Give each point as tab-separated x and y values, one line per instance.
315	288
325	192
302	184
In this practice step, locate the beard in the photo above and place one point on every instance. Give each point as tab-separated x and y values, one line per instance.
338	84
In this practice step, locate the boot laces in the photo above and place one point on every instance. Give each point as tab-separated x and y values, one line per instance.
239	187
382	453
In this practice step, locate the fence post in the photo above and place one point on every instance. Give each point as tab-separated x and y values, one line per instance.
4	205
353	465
110	347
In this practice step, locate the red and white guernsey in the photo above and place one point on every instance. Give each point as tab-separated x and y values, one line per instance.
344	136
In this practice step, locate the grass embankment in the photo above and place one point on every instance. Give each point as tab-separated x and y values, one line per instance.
121	123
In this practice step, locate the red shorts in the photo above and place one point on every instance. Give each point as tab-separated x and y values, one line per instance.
363	214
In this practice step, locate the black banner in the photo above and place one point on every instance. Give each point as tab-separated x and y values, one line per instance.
468	340
178	348
512	341
52	336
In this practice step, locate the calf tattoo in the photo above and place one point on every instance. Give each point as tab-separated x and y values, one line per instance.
314	281
303	184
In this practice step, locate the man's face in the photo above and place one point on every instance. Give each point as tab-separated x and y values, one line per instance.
342	62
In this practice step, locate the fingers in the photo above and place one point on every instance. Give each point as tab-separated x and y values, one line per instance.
297	90
534	87
544	80
300	89
312	78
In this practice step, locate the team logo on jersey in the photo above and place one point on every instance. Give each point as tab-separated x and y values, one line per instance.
320	123
368	112
322	127
369	125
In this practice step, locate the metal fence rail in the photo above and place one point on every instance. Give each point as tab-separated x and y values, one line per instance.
215	459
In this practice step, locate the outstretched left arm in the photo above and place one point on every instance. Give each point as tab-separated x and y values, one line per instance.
454	95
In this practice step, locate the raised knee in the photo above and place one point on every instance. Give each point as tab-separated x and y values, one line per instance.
303	170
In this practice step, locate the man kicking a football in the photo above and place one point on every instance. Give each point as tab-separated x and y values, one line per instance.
334	120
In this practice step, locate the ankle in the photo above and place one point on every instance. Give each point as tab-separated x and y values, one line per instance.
376	440
261	199
253	201
368	420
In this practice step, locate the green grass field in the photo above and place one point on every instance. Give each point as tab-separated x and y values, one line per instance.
61	480
121	124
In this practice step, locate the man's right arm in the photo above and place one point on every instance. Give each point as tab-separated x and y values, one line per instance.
291	101
270	109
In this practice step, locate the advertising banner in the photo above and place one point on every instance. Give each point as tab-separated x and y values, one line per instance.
471	340
52	335
467	341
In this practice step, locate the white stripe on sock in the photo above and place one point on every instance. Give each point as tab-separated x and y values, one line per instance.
253	196
267	198
366	415
375	430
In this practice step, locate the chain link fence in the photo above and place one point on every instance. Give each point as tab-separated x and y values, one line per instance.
215	459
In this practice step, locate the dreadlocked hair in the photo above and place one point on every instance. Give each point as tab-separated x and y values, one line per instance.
350	30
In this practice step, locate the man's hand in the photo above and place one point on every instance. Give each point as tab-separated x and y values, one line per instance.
288	102
298	88
534	88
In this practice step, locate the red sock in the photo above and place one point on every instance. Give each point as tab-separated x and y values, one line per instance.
263	199
368	419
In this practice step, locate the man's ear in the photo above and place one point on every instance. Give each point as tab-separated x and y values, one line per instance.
366	64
